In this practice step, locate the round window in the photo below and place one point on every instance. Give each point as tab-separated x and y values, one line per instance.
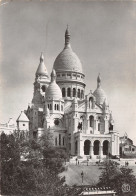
56	122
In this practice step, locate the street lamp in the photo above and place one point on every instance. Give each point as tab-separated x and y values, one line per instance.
82	176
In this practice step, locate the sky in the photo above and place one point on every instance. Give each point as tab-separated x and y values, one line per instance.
103	35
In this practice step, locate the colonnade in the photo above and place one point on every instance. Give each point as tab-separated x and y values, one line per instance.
93	149
72	92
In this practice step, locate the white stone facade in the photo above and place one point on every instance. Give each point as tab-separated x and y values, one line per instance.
81	124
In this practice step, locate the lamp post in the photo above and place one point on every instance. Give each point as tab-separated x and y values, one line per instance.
82	176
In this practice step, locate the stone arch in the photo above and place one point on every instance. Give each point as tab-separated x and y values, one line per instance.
82	94
63	92
69	92
105	147
91	121
91	102
96	147
87	144
74	92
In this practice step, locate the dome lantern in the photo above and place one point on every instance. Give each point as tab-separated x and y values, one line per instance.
99	81
41	70
67	38
53	75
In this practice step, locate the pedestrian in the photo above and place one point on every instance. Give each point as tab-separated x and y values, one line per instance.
76	161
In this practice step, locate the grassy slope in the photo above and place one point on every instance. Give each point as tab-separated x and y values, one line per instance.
73	174
91	174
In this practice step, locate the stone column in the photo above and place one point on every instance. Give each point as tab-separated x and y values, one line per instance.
66	92
101	151
88	123
80	147
91	151
71	95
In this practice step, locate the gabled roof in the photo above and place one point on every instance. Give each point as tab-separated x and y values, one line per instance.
22	117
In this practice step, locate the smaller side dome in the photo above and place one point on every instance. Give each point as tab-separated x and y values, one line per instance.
99	92
41	70
53	90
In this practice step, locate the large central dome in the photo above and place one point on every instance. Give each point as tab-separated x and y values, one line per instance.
67	60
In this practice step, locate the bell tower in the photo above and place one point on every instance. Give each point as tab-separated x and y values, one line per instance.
35	109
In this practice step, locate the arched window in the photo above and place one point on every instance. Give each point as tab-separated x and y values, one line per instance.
50	107
99	126
81	94
57	107
91	102
96	147
106	147
74	92
68	92
63	92
78	94
63	141
87	144
91	118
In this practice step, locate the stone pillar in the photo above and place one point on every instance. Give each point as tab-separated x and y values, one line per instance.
71	95
91	151
106	126
101	151
80	148
65	92
60	106
88	123
94	125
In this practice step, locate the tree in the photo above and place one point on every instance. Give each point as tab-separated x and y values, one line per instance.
30	167
114	176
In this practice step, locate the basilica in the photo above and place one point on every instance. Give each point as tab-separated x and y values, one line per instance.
81	124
